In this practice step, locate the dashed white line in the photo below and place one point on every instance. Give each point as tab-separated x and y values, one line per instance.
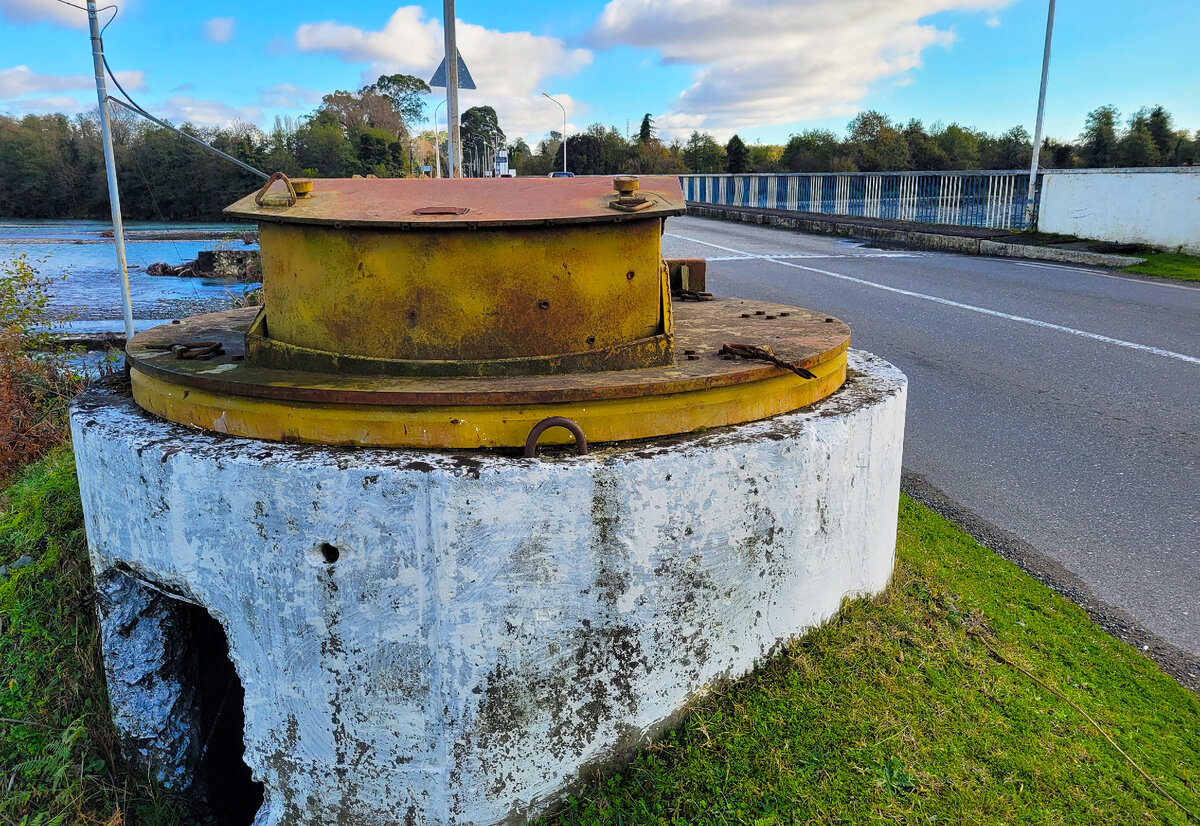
1132	345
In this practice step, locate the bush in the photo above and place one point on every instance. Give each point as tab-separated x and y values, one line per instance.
37	379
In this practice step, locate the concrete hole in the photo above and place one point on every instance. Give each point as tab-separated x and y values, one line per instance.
222	776
328	553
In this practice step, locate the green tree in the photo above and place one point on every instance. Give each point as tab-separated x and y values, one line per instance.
481	125
737	156
1137	147
961	146
811	151
923	151
703	154
646	130
1098	143
875	144
405	92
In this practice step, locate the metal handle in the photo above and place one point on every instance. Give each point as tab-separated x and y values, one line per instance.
555	421
278	176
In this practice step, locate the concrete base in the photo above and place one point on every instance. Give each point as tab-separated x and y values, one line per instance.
454	638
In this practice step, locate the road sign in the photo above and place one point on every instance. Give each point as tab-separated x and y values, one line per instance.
465	81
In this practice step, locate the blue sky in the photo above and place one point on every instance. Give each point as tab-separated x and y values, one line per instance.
764	68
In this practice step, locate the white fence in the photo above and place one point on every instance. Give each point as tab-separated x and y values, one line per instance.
977	198
1160	207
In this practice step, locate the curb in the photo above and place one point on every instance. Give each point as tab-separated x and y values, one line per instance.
961	244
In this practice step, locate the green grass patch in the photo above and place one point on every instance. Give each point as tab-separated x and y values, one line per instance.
57	746
1175	265
896	712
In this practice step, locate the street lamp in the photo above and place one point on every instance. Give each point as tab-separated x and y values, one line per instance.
560	106
437	139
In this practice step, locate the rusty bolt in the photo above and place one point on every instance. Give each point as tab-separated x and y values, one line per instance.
629	275
829	321
745	315
692	357
689	352
543	304
591	341
784	315
625	185
760	312
770	318
303	187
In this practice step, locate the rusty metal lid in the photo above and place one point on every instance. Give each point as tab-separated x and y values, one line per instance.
465	203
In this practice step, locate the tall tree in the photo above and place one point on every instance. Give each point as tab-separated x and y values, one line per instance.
646	130
405	93
737	156
1099	139
703	154
875	144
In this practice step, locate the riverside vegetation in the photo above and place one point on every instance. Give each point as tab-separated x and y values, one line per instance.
51	166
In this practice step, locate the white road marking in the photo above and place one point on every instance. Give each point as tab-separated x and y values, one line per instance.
1158	351
1151	281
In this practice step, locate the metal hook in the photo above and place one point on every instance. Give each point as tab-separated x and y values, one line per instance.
278	176
555	421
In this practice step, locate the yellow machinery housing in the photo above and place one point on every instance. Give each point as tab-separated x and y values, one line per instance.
462	313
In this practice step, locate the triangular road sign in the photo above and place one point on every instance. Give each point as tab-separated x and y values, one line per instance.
465	81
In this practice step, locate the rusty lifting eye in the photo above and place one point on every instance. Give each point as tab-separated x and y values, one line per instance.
555	421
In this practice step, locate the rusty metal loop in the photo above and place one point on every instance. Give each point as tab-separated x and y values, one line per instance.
202	350
555	421
278	176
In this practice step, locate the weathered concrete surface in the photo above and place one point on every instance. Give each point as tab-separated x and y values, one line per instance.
492	626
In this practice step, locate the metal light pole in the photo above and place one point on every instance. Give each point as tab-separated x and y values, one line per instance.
453	136
1037	132
110	166
564	140
437	140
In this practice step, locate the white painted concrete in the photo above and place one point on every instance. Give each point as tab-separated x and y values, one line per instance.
493	625
1161	208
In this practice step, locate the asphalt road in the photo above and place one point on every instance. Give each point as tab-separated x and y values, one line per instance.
1059	403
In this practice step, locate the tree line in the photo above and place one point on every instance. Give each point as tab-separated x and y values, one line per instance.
52	166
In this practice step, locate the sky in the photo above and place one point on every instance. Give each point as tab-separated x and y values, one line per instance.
764	69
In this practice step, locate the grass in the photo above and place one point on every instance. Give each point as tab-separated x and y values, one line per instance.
57	746
895	712
1175	265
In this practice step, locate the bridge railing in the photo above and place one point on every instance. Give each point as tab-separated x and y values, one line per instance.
983	198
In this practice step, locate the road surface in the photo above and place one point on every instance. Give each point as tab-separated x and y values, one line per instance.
1059	403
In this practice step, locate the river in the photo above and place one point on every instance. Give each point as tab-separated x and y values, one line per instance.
91	288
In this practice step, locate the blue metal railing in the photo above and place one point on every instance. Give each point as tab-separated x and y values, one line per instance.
974	199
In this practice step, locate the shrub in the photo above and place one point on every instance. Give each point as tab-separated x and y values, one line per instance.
37	379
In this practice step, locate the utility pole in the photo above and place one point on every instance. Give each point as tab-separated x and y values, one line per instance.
1037	131
437	140
453	138
110	166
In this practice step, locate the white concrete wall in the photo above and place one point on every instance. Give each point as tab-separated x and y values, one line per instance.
1160	207
494	626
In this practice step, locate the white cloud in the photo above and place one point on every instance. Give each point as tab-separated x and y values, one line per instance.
185	109
776	61
21	80
219	29
48	11
38	106
510	68
993	22
286	96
